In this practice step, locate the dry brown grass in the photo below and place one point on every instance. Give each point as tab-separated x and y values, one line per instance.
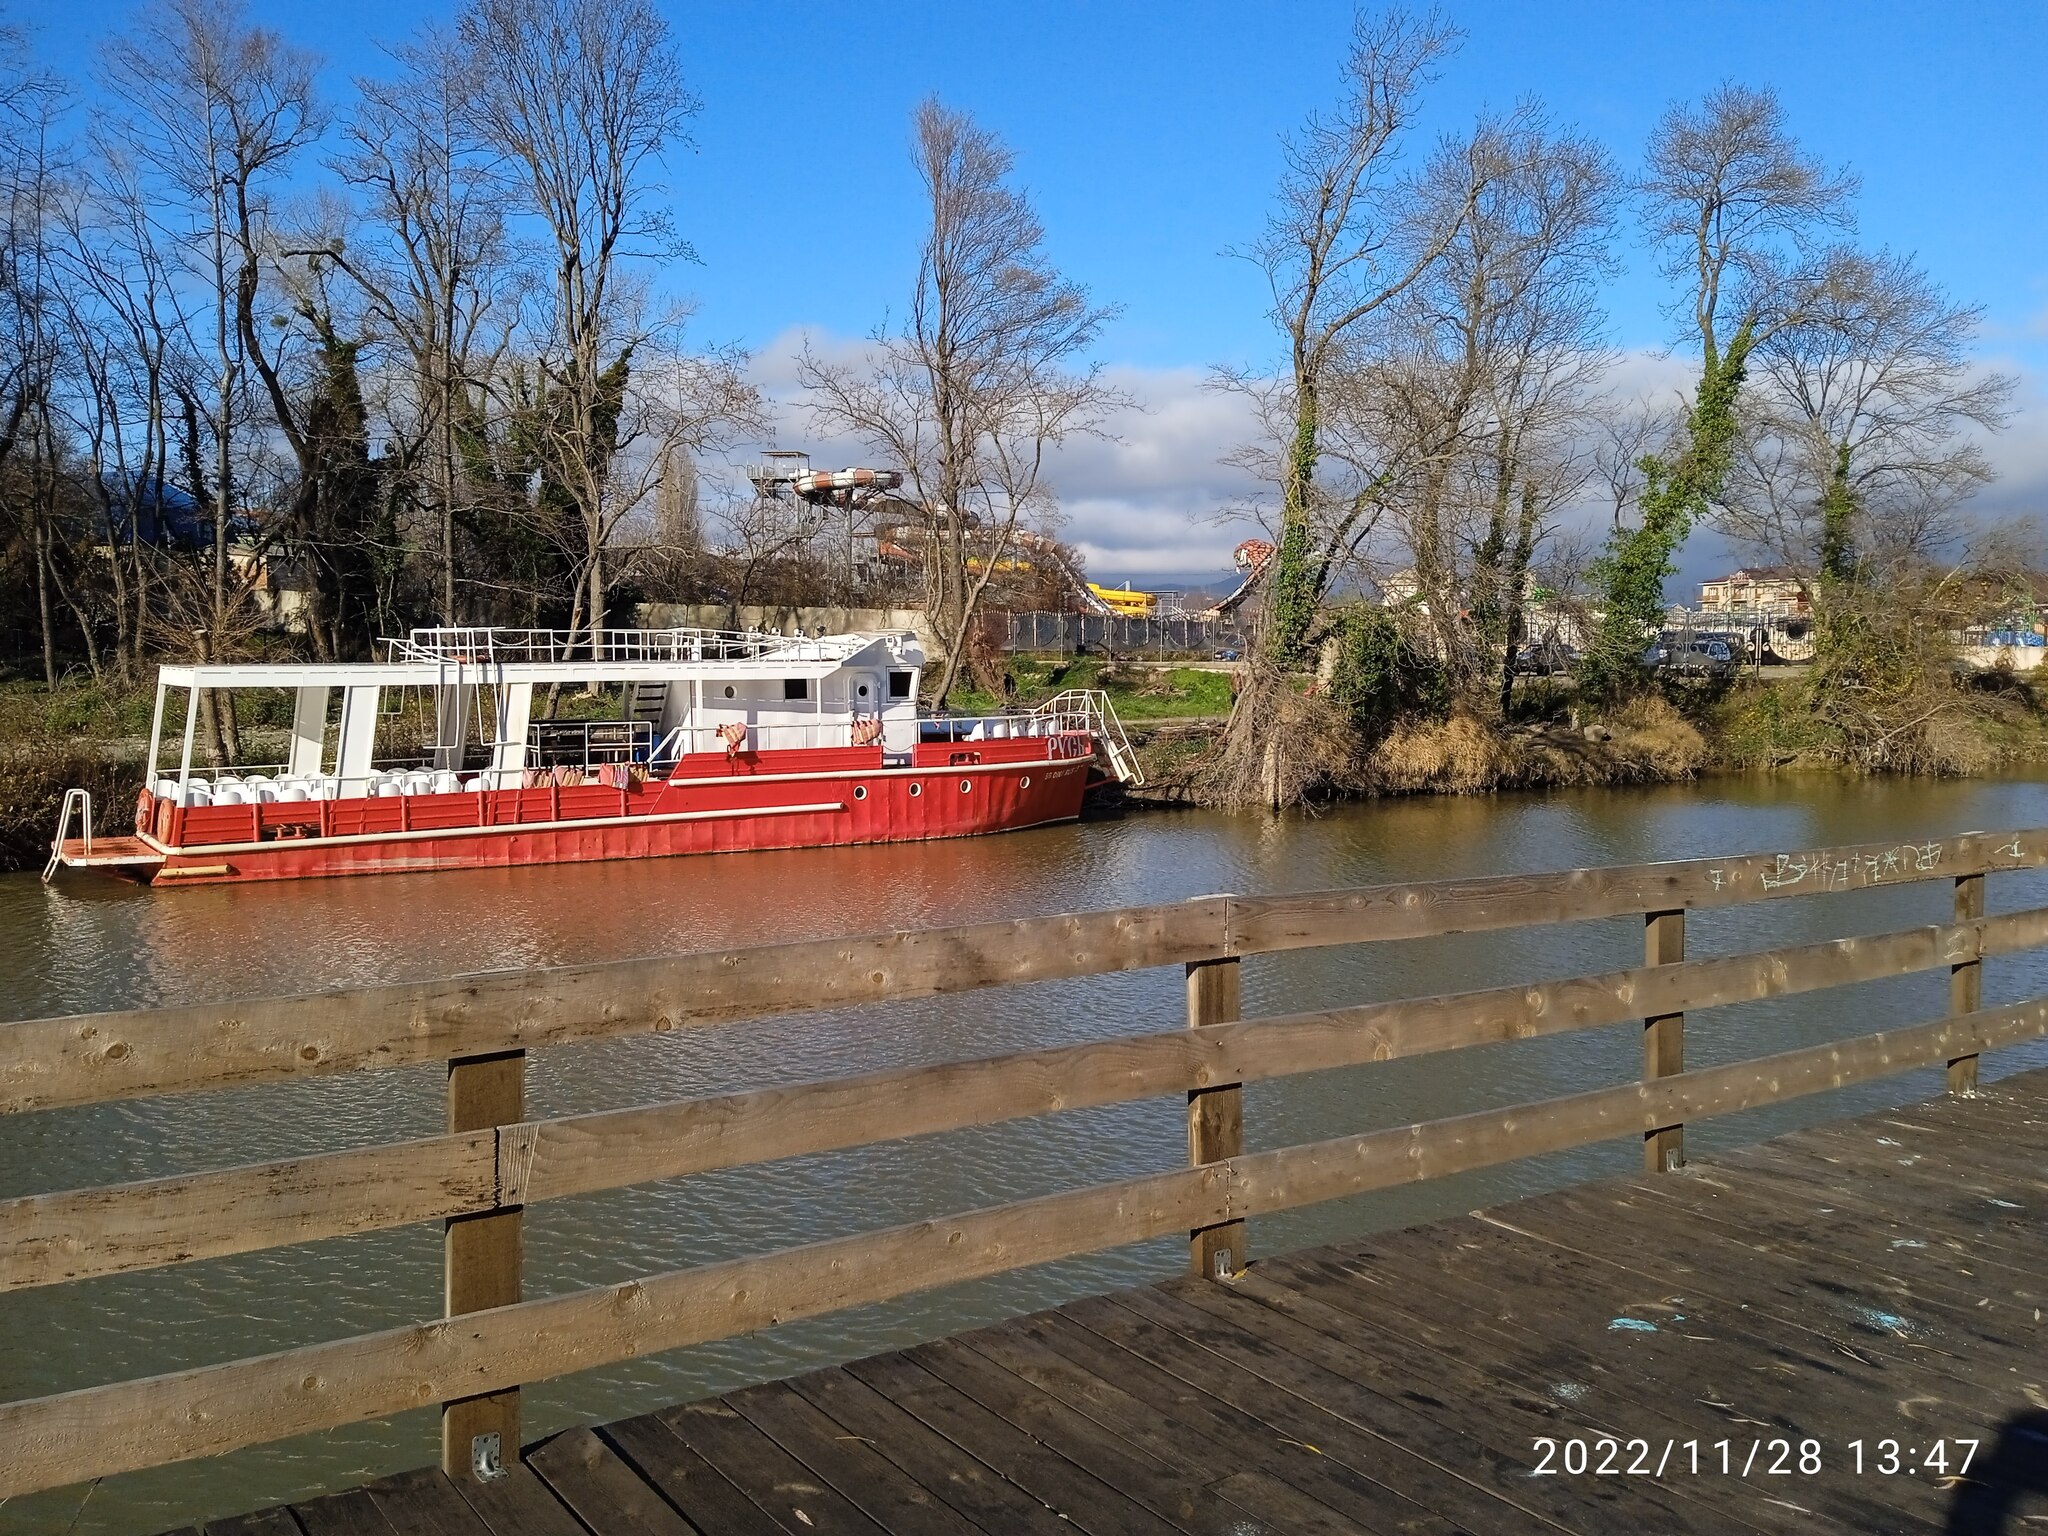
1458	756
1463	755
36	767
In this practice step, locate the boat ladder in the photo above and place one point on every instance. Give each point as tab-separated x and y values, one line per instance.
82	800
1091	707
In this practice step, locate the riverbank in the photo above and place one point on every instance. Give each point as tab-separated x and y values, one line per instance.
93	738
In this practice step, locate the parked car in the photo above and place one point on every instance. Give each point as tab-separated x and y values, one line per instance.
1704	658
1549	658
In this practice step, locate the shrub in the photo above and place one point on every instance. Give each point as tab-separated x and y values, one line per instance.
36	767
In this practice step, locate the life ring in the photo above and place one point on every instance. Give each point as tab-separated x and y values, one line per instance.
734	734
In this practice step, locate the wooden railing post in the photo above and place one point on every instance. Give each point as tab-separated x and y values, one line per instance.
1664	1037
1215	1115
482	1258
1966	981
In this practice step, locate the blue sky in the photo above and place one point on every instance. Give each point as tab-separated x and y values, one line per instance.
1148	135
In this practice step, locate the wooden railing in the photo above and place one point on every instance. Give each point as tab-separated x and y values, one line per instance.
492	1162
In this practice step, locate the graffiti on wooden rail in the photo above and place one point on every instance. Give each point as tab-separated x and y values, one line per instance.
1827	871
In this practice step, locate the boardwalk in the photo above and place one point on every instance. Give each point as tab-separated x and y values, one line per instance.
1879	1280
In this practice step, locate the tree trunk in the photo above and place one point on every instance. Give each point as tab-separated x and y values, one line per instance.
43	603
1297	579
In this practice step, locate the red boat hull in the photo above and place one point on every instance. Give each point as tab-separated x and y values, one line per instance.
711	805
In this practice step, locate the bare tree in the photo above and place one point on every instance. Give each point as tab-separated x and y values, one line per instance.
217	109
970	393
1732	202
1341	243
1496	351
580	98
1874	396
435	267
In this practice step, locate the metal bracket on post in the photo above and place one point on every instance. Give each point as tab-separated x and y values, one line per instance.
486	1458
481	1262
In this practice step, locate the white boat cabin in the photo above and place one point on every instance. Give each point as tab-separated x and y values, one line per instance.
682	692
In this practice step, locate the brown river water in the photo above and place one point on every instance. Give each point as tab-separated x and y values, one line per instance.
84	946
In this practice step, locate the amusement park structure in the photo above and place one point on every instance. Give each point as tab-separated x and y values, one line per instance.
1253	557
900	528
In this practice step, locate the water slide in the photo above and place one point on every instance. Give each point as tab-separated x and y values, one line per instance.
1252	557
1046	549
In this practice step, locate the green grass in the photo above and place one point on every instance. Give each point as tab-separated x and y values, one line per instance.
75	709
1137	693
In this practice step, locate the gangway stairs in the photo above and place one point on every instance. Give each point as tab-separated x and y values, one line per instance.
647	702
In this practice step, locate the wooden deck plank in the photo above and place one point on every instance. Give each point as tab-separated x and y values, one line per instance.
690	1483
1461	1330
1180	1495
1337	1341
1967	1238
964	1482
1886	1276
1874	1296
601	1490
1412	1472
353	1513
425	1503
1084	1501
1845	1348
782	1487
264	1522
1554	1329
1070	1360
1394	1410
519	1504
865	1477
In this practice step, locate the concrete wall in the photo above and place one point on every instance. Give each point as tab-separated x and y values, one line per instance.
2021	658
785	621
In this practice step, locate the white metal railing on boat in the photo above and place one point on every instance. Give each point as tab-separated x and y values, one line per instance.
482	646
82	800
1089	709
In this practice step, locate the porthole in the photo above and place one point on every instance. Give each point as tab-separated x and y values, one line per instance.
728	690
1025	782
916	790
860	791
966	785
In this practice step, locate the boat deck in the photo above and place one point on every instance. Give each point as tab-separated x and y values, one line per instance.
108	853
1870	1281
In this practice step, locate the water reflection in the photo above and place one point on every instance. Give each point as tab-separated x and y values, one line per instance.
92	946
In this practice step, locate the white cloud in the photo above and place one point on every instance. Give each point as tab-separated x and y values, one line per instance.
1145	501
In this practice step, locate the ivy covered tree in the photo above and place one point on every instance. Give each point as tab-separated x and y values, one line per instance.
1734	204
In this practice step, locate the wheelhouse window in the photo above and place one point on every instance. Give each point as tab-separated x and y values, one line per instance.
899	684
796	687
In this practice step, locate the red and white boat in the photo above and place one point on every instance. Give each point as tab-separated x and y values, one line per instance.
722	742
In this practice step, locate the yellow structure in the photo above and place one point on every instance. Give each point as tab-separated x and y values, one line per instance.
1128	604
